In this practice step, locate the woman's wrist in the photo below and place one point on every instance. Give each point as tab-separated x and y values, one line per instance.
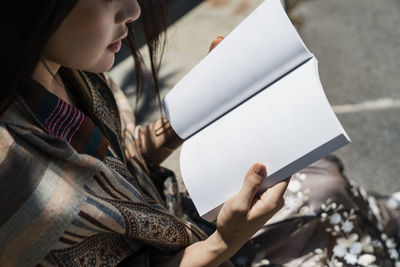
158	140
217	248
212	251
174	141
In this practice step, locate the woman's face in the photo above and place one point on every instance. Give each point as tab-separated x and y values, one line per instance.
91	34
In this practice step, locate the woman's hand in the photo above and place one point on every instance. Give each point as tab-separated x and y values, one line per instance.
239	219
245	213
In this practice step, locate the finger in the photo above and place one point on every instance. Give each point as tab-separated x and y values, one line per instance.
276	191
279	189
252	183
215	42
270	201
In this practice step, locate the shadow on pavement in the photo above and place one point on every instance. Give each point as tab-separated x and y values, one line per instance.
175	8
148	104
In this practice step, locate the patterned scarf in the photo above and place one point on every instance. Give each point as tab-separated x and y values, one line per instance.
71	193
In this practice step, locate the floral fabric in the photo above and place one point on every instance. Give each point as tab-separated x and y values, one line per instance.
326	221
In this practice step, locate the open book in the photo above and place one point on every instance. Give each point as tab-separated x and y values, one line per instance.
256	97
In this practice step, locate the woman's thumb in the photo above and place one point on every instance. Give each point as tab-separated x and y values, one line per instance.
252	182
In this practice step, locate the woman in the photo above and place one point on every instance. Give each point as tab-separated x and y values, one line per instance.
78	191
81	184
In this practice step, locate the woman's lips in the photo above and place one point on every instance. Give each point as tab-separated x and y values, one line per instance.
115	47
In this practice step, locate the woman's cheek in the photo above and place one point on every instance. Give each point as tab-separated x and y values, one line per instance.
92	25
90	45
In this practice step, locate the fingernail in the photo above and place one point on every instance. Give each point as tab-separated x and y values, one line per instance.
219	37
260	169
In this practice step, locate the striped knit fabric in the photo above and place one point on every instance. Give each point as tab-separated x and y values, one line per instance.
65	121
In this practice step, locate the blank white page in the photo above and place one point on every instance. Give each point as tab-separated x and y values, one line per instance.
261	49
279	127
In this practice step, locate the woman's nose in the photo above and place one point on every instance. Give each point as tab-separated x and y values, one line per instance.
129	11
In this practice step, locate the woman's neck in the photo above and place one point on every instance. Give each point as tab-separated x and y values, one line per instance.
47	74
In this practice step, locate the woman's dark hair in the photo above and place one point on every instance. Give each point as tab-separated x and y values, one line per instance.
27	26
154	21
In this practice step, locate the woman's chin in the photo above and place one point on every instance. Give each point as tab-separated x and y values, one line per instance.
103	65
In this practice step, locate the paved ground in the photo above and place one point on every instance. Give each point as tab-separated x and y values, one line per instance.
357	44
